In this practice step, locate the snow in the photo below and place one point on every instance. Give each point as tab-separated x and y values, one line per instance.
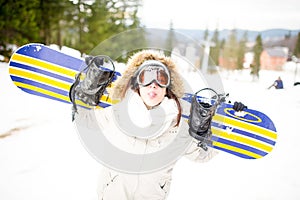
41	156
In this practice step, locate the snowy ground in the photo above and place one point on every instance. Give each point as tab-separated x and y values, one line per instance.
41	156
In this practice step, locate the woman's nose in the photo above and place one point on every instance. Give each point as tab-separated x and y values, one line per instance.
153	84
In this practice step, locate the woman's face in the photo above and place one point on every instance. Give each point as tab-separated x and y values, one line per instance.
152	94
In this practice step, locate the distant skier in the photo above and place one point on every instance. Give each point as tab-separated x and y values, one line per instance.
278	84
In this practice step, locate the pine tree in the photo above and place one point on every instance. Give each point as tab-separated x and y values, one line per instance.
215	50
49	16
257	49
206	34
170	41
297	47
242	51
230	51
18	24
109	18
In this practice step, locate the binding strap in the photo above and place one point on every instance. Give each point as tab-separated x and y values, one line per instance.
91	88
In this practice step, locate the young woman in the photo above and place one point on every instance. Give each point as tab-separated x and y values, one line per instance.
150	83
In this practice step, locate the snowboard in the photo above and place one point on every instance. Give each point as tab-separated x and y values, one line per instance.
39	70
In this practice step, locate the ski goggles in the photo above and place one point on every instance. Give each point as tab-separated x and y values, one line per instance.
152	70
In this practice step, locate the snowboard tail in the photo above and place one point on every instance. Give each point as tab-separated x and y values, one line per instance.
33	70
239	138
250	135
39	70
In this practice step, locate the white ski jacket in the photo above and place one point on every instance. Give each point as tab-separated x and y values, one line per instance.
116	185
128	130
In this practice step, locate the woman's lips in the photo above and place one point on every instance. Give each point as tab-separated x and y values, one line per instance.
152	95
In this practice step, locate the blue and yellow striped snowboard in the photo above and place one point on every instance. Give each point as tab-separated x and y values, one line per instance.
39	70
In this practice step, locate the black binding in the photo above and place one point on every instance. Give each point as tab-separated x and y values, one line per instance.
201	114
91	88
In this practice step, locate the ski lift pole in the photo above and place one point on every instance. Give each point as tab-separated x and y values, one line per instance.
296	61
207	44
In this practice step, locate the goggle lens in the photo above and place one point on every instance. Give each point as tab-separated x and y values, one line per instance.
150	74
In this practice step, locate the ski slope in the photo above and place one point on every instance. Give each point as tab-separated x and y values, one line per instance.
41	156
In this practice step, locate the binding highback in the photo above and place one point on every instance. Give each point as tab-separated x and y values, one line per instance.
201	114
91	88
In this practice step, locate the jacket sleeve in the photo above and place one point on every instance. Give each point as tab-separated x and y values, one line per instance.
198	154
91	118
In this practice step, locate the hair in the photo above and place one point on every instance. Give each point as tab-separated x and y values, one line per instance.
171	95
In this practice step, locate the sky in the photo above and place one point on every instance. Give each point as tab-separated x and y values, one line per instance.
255	15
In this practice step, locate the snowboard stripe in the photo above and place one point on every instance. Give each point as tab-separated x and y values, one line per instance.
43	95
30	66
236	149
256	145
245	133
39	78
105	98
259	139
45	65
233	122
231	146
39	85
38	90
234	153
45	53
40	71
46	59
239	145
244	125
46	93
57	94
242	140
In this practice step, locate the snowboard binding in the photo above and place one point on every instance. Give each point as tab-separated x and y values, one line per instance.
91	88
201	114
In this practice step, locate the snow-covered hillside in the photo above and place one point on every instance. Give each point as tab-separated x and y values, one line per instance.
41	156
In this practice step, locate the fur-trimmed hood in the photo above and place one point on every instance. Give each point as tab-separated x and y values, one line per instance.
133	65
